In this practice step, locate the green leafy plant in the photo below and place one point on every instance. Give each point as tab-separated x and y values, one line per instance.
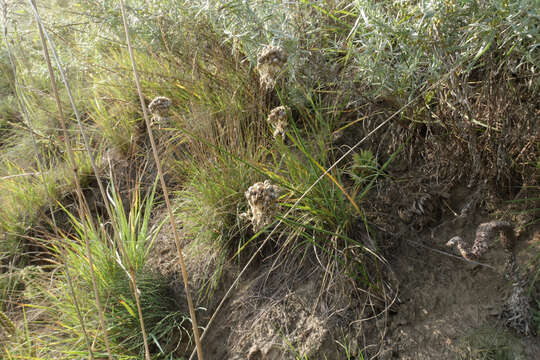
116	259
363	167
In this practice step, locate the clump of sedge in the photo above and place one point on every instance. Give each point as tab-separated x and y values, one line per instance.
262	200
271	62
278	119
159	107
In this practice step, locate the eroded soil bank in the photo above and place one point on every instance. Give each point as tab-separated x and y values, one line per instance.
443	307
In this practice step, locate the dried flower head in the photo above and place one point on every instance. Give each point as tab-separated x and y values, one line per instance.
278	119
159	107
262	201
271	62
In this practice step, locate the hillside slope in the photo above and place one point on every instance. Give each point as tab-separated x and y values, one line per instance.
318	158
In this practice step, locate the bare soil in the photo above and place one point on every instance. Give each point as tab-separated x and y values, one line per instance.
450	307
445	308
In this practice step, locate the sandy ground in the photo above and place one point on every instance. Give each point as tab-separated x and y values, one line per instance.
446	308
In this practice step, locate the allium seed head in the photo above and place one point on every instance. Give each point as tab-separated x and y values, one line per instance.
278	119
262	200
271	62
159	107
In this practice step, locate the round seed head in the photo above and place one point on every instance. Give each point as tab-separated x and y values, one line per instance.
271	62
262	200
159	107
278	119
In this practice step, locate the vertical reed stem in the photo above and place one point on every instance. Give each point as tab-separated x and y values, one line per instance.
84	212
83	135
165	190
139	310
101	187
41	168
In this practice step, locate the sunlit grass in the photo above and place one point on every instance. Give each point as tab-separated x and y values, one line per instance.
343	58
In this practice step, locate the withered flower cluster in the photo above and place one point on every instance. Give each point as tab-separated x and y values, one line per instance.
271	62
278	119
262	199
159	108
516	312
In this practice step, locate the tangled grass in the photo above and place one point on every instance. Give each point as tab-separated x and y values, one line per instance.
463	75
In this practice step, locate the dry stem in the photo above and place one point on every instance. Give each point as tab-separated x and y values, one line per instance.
164	188
83	207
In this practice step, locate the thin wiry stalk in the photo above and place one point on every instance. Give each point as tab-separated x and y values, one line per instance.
325	173
139	311
83	133
165	190
39	162
100	185
99	181
83	207
101	189
23	174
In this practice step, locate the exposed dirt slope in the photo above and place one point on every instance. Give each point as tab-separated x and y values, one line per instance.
450	307
447	308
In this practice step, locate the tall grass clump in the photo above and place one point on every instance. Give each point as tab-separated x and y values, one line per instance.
119	259
115	260
330	219
32	183
218	117
25	201
323	223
